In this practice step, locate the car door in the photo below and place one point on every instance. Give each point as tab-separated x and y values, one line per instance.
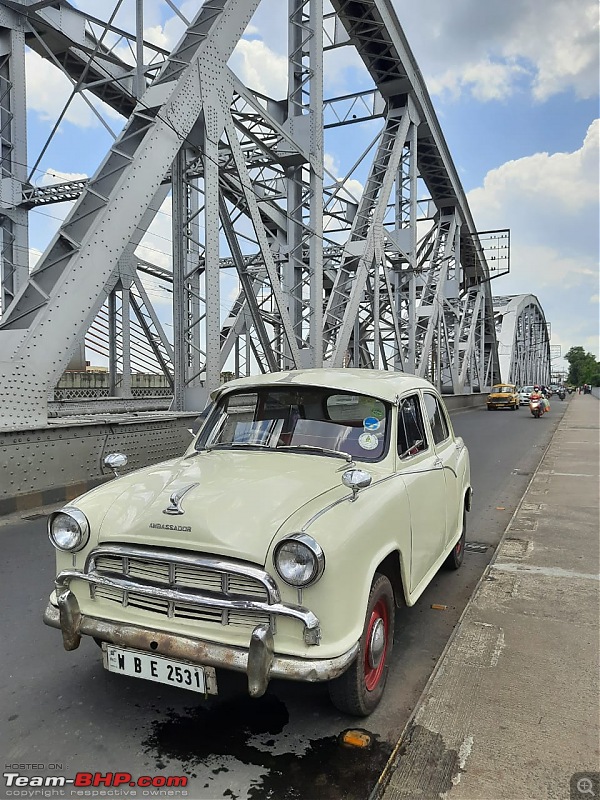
447	453
423	476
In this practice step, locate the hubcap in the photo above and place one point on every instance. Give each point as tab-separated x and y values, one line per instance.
376	645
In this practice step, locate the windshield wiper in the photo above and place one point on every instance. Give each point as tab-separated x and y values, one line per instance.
228	445
313	448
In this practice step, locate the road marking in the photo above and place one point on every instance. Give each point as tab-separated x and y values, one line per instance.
569	474
551	572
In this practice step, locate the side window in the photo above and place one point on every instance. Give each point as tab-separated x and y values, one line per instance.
411	431
437	419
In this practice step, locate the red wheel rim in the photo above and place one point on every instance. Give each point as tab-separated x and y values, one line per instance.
458	548
379	616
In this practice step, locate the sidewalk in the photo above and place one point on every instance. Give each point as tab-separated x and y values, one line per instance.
512	710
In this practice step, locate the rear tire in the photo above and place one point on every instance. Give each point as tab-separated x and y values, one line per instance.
359	690
457	555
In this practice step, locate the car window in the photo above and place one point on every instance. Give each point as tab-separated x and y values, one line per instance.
411	430
437	419
300	417
504	389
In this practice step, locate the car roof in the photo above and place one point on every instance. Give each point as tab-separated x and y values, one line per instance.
504	383
385	385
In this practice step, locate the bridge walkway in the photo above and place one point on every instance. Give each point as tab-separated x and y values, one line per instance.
511	709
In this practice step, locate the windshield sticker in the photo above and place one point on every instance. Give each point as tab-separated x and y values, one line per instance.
379	413
368	441
371	424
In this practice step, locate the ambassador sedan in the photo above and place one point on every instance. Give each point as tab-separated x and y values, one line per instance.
309	507
503	395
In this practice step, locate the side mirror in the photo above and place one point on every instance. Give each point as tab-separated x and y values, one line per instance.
356	479
115	461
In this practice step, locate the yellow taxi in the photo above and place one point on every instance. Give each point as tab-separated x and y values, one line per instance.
503	395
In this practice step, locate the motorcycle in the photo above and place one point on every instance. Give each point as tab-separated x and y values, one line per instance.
537	406
561	394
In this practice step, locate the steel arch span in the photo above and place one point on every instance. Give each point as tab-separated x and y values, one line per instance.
523	340
308	228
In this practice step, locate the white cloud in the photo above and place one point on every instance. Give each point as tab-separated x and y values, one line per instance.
48	90
485	48
260	68
542	187
52	176
550	203
485	79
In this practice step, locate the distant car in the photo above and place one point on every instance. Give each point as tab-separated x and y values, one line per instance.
309	507
524	393
503	395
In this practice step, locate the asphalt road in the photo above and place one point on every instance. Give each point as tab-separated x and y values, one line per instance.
65	714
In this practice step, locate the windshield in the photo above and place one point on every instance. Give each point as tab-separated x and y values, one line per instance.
503	389
299	418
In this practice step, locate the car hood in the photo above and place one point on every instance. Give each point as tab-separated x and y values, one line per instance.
235	505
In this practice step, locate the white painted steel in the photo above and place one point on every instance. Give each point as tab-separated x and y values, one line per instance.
402	282
523	340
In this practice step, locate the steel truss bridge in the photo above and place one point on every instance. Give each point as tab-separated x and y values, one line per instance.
523	340
312	228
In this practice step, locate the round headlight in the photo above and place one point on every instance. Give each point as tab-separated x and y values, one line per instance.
299	560
68	529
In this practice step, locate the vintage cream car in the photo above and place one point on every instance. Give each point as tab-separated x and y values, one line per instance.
310	506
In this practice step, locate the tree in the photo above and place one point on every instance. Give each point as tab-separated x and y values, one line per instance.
583	367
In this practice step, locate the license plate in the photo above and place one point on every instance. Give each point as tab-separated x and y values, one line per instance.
138	664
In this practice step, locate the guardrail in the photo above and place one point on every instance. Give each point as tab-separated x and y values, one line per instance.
64	459
56	463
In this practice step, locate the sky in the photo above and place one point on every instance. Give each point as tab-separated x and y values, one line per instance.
515	87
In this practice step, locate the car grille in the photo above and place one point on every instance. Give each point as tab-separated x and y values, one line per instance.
183	576
170	574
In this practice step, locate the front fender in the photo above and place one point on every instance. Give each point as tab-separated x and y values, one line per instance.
355	537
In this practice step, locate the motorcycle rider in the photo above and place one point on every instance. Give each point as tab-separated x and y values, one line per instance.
538	394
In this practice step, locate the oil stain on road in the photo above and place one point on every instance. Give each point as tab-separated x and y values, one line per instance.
250	731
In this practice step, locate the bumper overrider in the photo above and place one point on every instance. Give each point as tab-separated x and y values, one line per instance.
257	660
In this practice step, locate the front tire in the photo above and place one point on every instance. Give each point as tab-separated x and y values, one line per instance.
359	690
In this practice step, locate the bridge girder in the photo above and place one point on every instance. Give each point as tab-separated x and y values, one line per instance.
394	279
523	340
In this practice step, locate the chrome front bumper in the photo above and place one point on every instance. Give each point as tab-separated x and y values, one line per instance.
258	660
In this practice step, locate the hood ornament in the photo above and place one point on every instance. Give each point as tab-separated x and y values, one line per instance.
175	499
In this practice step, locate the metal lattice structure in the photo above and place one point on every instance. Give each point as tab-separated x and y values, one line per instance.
523	340
379	268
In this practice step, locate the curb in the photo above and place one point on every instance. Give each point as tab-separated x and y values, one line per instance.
384	778
48	497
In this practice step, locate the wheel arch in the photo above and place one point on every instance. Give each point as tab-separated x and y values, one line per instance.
392	569
468	500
